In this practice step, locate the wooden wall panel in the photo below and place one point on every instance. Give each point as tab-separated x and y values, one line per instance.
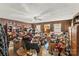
75	40
14	22
64	25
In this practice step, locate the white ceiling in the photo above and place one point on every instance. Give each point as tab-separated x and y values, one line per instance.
38	12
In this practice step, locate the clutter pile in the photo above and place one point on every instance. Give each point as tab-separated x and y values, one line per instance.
27	42
58	43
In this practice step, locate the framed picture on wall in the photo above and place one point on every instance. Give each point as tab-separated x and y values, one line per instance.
47	28
38	28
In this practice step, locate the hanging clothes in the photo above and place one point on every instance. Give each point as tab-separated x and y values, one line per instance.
3	40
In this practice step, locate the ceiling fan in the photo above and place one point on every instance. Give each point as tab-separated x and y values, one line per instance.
37	18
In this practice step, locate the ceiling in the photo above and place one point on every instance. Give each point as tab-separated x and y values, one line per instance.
38	12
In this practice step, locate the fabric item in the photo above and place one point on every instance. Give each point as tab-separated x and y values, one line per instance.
27	45
35	46
34	52
59	47
21	51
43	51
27	42
3	39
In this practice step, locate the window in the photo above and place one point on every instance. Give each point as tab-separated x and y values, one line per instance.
57	27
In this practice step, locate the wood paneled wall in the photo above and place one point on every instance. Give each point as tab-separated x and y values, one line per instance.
14	22
64	25
75	40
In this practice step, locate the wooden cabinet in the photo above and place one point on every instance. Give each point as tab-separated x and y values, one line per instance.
75	40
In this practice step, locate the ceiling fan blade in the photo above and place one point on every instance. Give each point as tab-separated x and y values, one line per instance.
44	12
20	16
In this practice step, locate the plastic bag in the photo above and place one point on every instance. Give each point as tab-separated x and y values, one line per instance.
46	46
